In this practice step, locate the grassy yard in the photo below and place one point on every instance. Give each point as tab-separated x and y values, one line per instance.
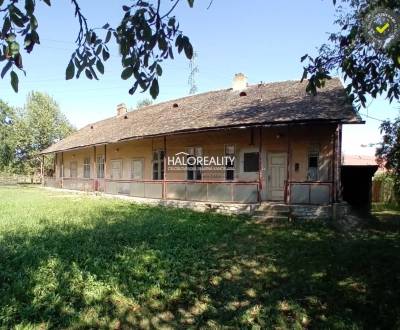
68	261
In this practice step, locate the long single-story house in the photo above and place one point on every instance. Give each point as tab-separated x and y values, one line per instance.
243	145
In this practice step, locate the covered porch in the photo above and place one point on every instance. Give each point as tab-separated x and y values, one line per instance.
293	164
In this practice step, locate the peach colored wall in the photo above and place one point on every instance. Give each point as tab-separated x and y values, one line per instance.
297	139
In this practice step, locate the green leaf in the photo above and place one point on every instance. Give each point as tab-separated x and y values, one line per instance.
5	69
47	2
127	73
154	89
159	70
29	6
70	71
14	48
6	26
190	2
14	81
100	67
88	74
108	37
34	23
106	55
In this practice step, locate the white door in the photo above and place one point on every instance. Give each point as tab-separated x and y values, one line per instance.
277	170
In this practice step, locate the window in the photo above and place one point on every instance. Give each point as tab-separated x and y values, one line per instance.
100	167
158	165
250	162
313	160
86	168
116	169
230	166
193	166
137	169
73	169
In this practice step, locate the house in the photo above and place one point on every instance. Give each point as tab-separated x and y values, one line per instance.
239	146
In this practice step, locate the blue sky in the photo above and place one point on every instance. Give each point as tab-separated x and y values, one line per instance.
263	39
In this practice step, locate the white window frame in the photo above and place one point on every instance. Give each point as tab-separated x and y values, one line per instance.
230	168
133	168
75	171
100	167
86	166
196	151
160	165
121	169
313	151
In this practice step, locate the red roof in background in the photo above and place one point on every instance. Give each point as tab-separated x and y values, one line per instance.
361	160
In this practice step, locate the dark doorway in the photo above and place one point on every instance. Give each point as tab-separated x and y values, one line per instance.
357	184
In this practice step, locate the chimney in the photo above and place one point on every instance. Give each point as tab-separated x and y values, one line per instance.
239	82
121	109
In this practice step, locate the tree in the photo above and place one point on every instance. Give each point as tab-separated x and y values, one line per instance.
389	151
370	67
146	36
7	115
37	126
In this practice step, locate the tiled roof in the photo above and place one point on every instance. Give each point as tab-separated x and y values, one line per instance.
274	103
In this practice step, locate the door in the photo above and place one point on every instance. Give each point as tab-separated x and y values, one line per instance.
277	170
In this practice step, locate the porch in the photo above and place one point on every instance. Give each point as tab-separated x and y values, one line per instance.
288	164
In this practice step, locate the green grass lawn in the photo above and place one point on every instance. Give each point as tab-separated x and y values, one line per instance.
70	261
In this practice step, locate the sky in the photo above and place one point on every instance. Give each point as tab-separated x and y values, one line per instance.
262	39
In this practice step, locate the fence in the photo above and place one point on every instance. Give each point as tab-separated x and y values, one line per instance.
15	179
383	191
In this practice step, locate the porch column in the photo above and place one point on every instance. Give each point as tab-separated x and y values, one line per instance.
259	164
105	168
62	170
288	165
338	162
94	170
164	193
55	166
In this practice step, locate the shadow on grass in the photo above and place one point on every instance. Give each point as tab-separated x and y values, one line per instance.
136	266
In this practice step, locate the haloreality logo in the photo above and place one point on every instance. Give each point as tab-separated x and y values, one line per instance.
183	160
381	27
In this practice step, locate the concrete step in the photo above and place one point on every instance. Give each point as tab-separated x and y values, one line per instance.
270	218
273	206
272	212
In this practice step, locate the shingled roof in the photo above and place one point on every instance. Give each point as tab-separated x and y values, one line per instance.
263	104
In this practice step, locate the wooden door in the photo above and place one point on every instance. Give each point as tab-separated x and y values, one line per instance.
277	171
